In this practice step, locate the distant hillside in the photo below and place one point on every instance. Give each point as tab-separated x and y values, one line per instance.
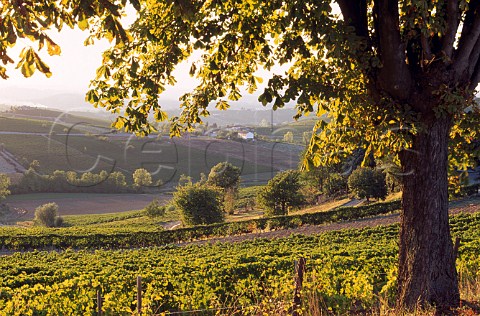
48	114
251	117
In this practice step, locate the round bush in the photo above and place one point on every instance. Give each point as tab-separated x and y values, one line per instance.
46	214
199	204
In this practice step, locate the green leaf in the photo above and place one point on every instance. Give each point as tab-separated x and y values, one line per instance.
41	66
83	24
92	97
222	105
160	115
53	49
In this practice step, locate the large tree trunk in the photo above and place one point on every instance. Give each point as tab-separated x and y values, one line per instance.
426	260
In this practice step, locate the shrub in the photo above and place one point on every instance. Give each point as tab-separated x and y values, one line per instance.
368	183
154	209
226	176
58	221
46	215
199	204
229	201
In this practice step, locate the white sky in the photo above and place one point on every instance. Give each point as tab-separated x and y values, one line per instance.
74	68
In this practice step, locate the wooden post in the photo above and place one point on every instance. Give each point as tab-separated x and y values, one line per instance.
455	247
139	295
99	302
297	299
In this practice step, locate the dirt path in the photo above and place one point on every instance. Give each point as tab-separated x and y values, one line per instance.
353	202
171	225
313	230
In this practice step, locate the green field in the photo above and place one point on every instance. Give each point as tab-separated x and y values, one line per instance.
344	269
25	125
88	148
297	128
50	115
166	160
51	154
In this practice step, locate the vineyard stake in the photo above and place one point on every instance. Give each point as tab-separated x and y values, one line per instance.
99	302
297	299
139	295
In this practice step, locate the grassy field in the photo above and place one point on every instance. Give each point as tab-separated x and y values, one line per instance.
164	158
25	125
51	154
50	115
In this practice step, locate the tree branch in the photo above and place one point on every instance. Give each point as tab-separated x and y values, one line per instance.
355	13
474	56
470	34
394	77
469	18
427	51
475	79
452	26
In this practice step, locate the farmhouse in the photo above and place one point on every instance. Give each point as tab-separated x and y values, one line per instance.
246	135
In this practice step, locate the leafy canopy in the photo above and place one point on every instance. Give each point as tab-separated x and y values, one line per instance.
348	65
31	19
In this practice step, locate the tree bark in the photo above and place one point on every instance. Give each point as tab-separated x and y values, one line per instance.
426	259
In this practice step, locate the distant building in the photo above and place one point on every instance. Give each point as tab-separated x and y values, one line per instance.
246	135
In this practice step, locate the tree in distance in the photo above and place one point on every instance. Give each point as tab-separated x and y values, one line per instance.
199	204
142	178
46	215
391	77
226	176
335	185
393	174
288	137
366	183
281	193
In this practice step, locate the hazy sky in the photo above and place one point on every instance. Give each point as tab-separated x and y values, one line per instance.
73	70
